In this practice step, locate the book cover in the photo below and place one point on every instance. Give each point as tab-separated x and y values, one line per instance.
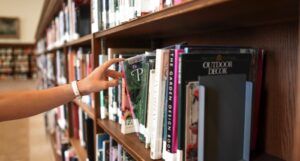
191	121
255	75
194	65
225	112
136	75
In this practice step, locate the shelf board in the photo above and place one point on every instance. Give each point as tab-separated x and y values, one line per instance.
130	142
82	40
266	157
86	108
80	151
198	16
52	140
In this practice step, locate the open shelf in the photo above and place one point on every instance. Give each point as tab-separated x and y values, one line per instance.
80	41
203	16
80	151
86	108
130	142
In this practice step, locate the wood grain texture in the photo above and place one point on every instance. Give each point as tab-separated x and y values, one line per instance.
88	110
296	145
279	86
80	151
202	16
53	145
130	142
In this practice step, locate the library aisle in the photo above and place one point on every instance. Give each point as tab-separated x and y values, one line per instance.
24	139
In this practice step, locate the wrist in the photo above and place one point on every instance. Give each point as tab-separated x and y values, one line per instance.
82	88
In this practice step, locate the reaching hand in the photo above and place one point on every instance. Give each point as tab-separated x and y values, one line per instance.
97	80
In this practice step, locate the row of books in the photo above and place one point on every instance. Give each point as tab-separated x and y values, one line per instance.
109	149
72	22
14	61
80	64
109	13
188	102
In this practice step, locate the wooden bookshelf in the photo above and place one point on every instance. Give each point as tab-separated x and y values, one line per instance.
53	145
86	108
80	151
271	25
130	142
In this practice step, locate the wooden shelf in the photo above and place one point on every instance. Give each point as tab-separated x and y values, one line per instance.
80	151
78	42
130	142
52	140
81	41
86	108
266	157
206	15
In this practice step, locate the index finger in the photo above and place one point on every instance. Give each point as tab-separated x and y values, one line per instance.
107	64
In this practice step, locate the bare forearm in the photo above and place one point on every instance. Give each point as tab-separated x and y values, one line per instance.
23	104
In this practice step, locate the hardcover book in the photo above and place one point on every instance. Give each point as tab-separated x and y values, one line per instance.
226	111
136	71
194	65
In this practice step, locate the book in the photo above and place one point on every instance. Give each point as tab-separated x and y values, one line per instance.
205	64
135	84
90	139
158	101
191	121
101	137
106	150
226	109
103	94
201	121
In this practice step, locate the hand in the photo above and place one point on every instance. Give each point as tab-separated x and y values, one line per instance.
97	80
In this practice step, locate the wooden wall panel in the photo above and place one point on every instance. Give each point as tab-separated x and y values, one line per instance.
279	87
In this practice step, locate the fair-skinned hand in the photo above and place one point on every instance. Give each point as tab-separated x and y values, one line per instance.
98	79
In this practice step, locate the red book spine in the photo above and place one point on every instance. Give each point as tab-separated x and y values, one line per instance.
75	120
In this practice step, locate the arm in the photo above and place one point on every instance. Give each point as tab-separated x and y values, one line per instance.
15	105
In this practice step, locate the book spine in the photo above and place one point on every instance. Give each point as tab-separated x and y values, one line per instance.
103	93
170	104
176	118
201	123
157	114
94	16
180	117
247	121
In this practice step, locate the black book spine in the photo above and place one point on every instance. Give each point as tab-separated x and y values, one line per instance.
90	139
170	98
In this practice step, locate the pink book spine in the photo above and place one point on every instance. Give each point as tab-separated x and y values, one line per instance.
177	2
175	102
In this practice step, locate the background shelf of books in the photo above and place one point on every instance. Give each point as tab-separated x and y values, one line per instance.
114	124
17	61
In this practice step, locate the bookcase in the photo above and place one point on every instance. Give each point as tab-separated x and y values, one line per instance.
271	25
17	60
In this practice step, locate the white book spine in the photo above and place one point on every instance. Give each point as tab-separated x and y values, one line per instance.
95	23
149	115
157	114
